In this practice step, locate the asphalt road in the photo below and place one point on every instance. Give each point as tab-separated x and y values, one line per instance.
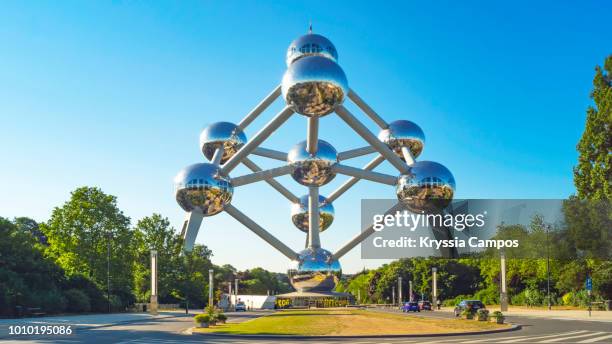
173	330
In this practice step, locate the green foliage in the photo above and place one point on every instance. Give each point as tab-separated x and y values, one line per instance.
201	318
593	174
221	316
79	234
77	301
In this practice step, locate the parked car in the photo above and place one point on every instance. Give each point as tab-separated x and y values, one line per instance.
411	307
425	305
472	305
240	306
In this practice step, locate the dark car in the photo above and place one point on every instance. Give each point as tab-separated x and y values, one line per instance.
472	305
425	305
411	307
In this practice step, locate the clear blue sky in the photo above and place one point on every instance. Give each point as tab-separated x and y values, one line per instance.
115	93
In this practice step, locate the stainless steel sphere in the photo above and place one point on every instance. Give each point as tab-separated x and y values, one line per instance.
403	134
315	270
313	170
311	45
202	187
313	86
222	135
428	187
299	214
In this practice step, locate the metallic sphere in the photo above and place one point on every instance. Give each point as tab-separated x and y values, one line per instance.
313	86
202	187
428	187
299	214
311	45
315	270
403	134
313	170
222	134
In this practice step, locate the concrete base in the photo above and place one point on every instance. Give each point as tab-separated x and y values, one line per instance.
314	299
153	305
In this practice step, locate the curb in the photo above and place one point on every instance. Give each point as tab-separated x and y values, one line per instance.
514	327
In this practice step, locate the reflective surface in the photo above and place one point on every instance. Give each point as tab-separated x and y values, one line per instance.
429	187
221	134
201	187
403	134
299	214
311	45
313	170
314	86
315	270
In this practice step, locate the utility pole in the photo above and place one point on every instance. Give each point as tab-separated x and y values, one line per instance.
236	291
153	305
503	298
210	288
393	296
399	290
434	288
410	290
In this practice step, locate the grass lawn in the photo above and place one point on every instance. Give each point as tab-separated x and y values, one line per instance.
341	322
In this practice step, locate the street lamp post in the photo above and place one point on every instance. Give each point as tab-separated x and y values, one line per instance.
393	296
108	253
548	267
153	306
410	290
236	291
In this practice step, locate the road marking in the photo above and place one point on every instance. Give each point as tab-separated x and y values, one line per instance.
492	339
543	337
571	337
593	340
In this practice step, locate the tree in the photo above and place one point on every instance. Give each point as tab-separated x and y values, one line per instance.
79	233
593	175
155	233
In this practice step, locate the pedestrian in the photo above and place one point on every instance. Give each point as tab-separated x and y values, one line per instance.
438	303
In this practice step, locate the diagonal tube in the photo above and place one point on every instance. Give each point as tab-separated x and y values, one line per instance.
368	110
352	181
270	153
257	140
191	227
367	135
363	174
269	99
262	233
262	175
313	217
312	140
363	235
408	156
357	152
218	156
273	183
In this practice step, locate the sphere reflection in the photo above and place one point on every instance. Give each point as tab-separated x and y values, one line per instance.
299	214
221	135
428	187
311	45
202	187
315	270
403	134
313	170
314	85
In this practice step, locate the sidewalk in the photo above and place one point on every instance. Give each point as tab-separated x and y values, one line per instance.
604	316
88	321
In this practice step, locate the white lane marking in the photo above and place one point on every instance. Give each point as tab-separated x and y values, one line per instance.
492	339
572	337
543	337
593	340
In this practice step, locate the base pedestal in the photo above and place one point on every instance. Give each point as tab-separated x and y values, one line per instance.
314	300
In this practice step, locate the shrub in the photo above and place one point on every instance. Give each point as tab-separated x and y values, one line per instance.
456	300
77	301
483	314
202	318
528	297
489	296
221	317
52	301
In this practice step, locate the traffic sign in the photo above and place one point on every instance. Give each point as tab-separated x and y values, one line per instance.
589	284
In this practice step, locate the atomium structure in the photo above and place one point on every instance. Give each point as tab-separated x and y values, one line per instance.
313	86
